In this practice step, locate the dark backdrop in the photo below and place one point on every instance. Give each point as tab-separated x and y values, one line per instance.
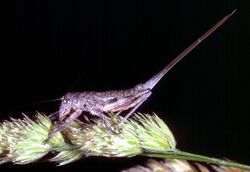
49	48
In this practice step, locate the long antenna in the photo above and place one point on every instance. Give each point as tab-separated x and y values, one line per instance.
156	78
51	100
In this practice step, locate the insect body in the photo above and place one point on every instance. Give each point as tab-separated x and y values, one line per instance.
98	103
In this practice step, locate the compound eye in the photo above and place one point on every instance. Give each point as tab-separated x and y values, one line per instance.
65	101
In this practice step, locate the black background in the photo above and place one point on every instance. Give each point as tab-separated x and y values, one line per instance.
49	48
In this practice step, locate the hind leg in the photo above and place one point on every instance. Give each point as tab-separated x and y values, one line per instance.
138	102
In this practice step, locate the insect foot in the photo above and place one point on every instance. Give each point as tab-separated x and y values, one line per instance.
108	125
51	134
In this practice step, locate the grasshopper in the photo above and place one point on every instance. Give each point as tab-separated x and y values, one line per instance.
99	103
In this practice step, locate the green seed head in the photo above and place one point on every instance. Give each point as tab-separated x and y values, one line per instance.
22	141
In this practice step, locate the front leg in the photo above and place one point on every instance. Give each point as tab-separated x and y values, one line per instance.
54	115
62	124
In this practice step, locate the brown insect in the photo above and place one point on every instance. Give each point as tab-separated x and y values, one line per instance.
98	103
